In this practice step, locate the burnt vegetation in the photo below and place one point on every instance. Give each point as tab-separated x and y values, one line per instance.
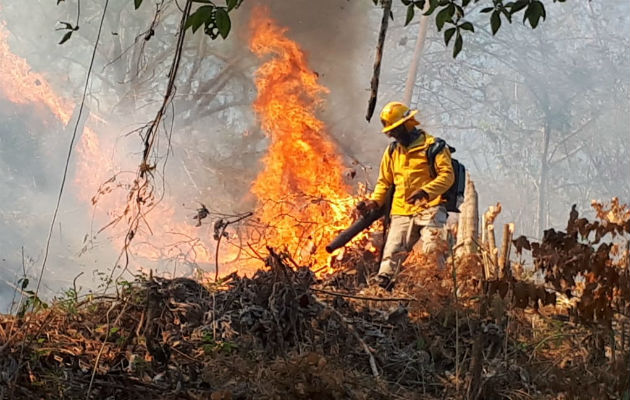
285	332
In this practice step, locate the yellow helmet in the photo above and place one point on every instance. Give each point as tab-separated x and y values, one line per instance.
395	114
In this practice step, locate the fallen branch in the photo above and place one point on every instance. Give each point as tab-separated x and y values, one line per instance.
350	328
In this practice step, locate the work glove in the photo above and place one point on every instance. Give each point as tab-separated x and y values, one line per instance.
365	206
418	198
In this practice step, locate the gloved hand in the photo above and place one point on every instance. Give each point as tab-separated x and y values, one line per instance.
365	206
418	198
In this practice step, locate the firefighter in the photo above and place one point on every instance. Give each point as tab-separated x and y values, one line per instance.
417	210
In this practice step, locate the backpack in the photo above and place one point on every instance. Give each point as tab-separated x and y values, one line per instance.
455	193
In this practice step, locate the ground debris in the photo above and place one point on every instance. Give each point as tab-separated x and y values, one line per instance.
285	333
267	336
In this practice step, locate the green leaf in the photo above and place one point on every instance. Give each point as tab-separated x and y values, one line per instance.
518	6
495	22
448	34
459	11
533	20
459	42
433	4
203	15
446	14
410	13
467	26
406	2
137	3
66	37
534	12
543	13
487	10
222	19
232	4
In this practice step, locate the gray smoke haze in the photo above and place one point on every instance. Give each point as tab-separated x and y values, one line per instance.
493	103
565	83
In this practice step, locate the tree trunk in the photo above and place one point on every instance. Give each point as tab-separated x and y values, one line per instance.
493	252
387	8
504	258
542	182
417	54
468	225
488	243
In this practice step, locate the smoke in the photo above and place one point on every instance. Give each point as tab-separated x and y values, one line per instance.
538	117
215	141
483	103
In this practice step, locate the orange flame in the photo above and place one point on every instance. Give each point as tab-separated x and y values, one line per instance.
303	199
22	86
169	238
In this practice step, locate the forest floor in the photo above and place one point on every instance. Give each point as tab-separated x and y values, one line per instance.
285	334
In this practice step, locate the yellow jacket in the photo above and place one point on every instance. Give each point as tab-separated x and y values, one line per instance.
408	169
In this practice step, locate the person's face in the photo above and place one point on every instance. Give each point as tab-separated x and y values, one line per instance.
400	134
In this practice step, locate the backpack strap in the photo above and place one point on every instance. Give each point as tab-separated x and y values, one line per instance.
432	152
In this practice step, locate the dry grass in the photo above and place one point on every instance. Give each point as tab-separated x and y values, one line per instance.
274	337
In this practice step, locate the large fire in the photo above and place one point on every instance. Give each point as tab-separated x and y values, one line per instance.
303	199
